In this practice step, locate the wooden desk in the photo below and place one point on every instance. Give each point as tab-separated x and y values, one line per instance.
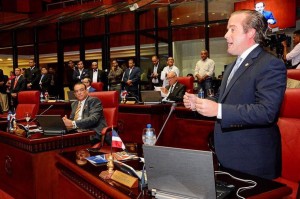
27	166
83	182
185	128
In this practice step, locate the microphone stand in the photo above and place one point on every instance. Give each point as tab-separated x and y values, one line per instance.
162	128
43	112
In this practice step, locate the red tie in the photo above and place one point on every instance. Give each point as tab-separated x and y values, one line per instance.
16	81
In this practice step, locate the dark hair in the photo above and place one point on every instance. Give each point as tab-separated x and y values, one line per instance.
297	32
80	83
256	21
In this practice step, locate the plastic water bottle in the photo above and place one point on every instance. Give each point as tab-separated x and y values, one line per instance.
41	97
13	123
201	93
8	121
149	137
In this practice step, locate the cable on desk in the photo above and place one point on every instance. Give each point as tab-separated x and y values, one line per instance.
239	179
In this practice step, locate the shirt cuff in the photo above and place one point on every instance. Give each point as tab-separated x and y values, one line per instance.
219	116
74	125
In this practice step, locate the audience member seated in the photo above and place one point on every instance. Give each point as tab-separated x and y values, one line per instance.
175	90
87	113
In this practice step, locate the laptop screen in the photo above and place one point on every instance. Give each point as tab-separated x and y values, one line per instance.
151	96
51	124
180	172
71	96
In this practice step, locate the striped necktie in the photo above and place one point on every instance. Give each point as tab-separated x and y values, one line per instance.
234	69
77	111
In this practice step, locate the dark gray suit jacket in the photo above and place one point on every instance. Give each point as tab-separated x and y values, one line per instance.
177	93
247	137
92	115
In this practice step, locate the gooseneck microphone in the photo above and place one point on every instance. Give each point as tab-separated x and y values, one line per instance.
43	112
162	128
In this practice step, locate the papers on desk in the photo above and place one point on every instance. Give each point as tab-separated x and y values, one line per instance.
122	156
97	159
157	88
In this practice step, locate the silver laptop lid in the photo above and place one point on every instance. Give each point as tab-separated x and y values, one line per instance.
151	97
183	172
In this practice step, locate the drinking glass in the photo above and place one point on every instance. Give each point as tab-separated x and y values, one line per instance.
27	118
210	92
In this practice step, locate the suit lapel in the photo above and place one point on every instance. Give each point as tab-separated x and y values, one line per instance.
247	63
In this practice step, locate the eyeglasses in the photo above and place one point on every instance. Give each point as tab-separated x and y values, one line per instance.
79	91
169	78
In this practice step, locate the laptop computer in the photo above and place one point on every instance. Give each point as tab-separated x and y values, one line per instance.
71	96
151	97
52	124
181	173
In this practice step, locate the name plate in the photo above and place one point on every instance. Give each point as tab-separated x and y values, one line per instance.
125	179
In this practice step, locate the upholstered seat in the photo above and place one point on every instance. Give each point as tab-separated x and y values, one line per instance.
97	85
188	82
293	74
28	101
289	125
110	103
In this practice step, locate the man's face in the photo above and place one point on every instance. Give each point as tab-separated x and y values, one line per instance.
154	61
259	7
80	92
203	55
94	66
80	65
170	61
296	39
237	40
31	63
71	64
44	71
114	65
51	70
171	77
86	82
130	64
17	71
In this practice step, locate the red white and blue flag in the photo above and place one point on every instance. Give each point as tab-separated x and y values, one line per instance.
116	140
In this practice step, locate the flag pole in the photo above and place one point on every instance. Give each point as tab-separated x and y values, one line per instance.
112	129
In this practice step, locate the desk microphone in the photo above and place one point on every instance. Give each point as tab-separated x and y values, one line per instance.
162	128
43	112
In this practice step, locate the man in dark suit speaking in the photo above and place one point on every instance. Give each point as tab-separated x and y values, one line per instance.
246	134
87	113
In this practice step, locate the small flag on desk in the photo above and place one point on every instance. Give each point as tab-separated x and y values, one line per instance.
116	140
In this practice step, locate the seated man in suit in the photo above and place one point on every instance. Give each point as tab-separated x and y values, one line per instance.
174	91
87	82
87	113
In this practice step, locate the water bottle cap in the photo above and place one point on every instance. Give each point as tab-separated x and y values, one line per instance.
149	126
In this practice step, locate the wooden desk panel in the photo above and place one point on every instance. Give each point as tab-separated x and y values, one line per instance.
27	166
85	180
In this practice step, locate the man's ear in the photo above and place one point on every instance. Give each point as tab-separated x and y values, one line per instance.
251	33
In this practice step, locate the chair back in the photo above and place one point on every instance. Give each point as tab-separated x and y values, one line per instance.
289	125
293	74
110	103
188	82
290	106
97	85
28	101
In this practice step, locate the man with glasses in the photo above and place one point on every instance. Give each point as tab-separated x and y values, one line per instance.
87	113
174	91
